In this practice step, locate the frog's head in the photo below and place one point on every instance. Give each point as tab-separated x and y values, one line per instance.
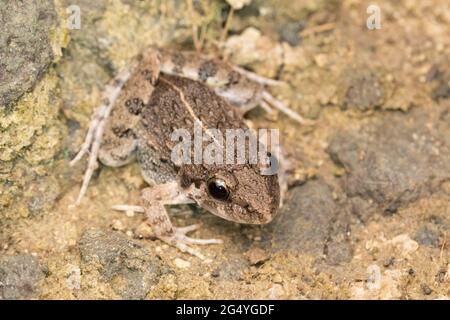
239	193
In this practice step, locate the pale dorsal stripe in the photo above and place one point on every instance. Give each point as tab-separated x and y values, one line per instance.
188	107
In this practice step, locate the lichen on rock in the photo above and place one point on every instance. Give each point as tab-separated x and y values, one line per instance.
29	103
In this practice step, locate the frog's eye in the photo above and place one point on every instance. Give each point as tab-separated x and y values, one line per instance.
218	189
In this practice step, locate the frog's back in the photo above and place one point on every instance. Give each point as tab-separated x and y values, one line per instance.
177	103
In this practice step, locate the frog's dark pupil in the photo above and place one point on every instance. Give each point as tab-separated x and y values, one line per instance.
218	190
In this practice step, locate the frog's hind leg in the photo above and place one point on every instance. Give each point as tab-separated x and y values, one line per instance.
153	201
100	114
268	101
242	88
97	125
256	77
117	149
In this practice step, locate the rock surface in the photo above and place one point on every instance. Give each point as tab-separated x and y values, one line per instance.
25	48
394	161
130	268
30	41
308	224
363	90
19	277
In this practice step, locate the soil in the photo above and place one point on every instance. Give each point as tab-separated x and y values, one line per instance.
367	215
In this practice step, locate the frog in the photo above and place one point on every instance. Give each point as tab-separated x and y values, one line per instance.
163	90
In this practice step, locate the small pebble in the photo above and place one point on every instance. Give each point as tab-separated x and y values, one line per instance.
276	292
426	289
256	256
388	262
144	230
129	233
277	278
238	4
215	273
117	225
321	60
440	277
180	263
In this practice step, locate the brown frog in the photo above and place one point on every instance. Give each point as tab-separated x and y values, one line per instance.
164	91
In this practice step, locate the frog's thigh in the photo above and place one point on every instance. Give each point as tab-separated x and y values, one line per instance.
241	88
119	138
155	168
231	83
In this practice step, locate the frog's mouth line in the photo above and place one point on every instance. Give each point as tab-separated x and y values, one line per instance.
246	219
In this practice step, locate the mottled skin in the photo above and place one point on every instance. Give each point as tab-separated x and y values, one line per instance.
254	197
227	81
168	90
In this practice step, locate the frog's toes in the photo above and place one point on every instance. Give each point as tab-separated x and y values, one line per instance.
269	101
257	78
179	235
188	229
128	209
180	240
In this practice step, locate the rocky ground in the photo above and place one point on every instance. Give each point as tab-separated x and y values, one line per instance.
368	212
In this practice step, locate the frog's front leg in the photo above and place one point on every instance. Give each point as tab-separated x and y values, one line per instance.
153	201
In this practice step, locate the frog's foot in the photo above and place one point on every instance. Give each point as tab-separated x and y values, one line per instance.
268	102
153	201
177	236
128	209
180	240
94	136
256	77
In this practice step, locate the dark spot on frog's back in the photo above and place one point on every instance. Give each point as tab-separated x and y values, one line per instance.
185	181
207	69
121	131
178	61
134	106
175	107
147	74
233	78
